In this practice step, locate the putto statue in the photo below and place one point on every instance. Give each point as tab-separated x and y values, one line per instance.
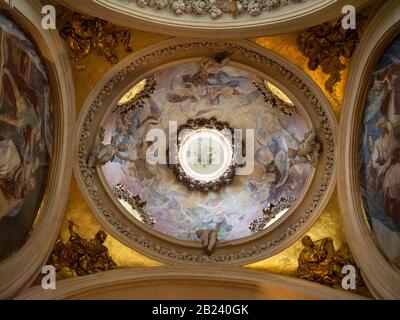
216	8
307	150
86	35
320	262
327	46
80	257
209	238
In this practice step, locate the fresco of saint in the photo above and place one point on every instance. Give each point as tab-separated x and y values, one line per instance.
25	135
380	152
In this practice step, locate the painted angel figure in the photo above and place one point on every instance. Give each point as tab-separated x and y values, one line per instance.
391	189
138	166
26	122
102	154
388	83
209	67
381	151
10	170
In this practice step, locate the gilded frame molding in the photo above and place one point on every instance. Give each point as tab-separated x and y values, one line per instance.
303	91
380	276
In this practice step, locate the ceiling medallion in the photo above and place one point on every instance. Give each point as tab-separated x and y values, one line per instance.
204	159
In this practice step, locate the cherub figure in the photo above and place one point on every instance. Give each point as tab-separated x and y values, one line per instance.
307	150
209	238
80	256
103	154
78	34
209	66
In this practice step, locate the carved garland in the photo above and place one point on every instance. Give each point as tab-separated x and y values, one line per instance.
204	186
215	8
270	212
135	202
235	49
273	101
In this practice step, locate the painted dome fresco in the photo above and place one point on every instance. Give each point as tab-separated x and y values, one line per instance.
206	151
229	95
25	135
380	153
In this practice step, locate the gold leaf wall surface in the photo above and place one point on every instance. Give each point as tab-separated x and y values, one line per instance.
285	45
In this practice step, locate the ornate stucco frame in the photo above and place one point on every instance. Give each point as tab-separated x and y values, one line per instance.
282	20
22	267
191	183
381	277
303	91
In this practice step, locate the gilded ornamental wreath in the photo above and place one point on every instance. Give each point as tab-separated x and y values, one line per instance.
204	159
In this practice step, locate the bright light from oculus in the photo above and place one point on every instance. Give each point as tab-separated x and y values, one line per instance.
205	154
204	159
132	92
278	93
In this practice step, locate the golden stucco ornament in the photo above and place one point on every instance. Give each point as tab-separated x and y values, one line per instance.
87	35
80	256
320	262
327	45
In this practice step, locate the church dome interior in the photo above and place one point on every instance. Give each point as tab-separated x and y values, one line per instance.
180	210
205	149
